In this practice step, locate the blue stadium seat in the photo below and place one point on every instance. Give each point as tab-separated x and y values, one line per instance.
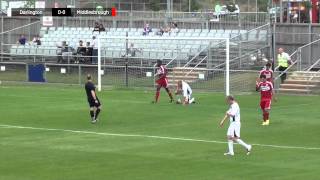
20	50
13	50
116	54
26	50
133	29
168	55
205	30
151	48
108	53
195	34
252	36
197	30
203	34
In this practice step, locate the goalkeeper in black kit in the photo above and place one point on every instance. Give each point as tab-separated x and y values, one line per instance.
93	100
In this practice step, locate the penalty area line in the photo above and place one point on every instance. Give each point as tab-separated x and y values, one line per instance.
150	136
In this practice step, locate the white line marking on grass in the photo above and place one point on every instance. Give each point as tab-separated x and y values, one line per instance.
150	136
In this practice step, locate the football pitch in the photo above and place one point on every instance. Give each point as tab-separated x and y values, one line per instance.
46	134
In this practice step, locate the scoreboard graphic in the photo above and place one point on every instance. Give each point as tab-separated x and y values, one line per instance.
71	12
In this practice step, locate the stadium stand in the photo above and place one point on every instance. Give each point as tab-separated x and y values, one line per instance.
116	48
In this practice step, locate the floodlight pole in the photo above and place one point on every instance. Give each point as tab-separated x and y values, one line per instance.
99	64
227	68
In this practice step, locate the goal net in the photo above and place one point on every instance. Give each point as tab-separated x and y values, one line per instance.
201	61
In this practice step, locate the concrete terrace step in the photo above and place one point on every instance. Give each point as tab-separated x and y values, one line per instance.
307	73
182	77
297	86
306	82
295	91
189	68
304	77
175	81
178	73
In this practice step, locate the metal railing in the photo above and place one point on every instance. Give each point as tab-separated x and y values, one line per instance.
126	76
298	62
221	65
234	39
196	66
311	67
195	56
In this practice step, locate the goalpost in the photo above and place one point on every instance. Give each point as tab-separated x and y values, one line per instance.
104	42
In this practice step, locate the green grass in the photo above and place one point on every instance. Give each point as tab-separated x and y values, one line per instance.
38	154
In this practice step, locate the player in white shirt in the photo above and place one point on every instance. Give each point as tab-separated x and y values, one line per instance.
184	90
233	133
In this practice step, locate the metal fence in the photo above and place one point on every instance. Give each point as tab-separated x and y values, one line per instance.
136	19
129	76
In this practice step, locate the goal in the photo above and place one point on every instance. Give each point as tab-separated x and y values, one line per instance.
188	53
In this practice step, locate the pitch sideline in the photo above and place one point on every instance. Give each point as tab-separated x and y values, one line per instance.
150	136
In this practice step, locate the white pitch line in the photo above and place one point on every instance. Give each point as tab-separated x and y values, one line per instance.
150	136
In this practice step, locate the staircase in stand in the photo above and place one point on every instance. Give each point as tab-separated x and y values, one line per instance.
183	73
301	82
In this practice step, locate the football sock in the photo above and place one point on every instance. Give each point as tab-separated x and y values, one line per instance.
191	101
97	113
157	95
265	116
91	114
169	93
242	143
230	145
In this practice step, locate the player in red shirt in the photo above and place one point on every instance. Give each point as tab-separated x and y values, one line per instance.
267	92
267	72
162	81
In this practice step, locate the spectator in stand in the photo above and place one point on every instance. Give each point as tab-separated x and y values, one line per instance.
61	49
81	48
167	31
94	45
81	51
160	32
294	17
101	28
36	40
22	40
133	50
96	27
146	30
88	53
175	30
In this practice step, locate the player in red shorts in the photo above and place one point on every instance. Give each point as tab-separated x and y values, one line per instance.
267	72
162	81
267	92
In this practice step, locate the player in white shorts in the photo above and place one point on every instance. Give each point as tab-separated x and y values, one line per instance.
184	90
233	133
